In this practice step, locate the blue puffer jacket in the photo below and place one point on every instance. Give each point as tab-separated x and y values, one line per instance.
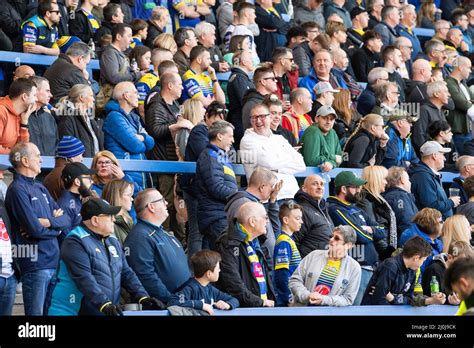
216	181
428	190
120	130
399	152
436	245
92	270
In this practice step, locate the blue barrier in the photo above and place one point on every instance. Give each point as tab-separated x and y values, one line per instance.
190	167
424	32
405	310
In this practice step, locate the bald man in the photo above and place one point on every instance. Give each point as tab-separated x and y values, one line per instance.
317	225
23	71
416	87
244	272
124	135
406	47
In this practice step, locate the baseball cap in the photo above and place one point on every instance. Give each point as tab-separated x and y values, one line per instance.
431	147
347	178
398	114
322	87
75	170
326	110
357	11
96	207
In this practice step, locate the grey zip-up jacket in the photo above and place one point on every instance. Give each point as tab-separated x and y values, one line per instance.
305	278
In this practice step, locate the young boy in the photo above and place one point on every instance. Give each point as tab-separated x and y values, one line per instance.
197	292
286	254
393	281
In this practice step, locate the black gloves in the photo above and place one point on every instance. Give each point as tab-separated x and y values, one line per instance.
111	310
151	303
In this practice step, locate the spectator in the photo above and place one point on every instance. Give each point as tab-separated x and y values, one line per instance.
198	292
467	208
77	181
440	131
321	146
426	180
437	56
406	67
68	70
459	279
438	267
428	15
119	193
430	112
200	81
245	274
265	83
296	36
387	28
416	91
309	11
107	168
69	150
343	73
155	255
393	60
399	151
394	280
272	29
216	181
337	33
366	146
238	43
454	43
147	82
194	112
387	97
398	195
76	119
113	15
367	57
34	225
461	22
296	119
375	12
84	24
40	32
459	118
260	147
239	83
275	107
463	166
441	28
132	141
83	273
285	71
225	16
405	28
42	125
366	101
15	111
343	211
23	71
156	24
321	72
166	42
185	14
166	65
325	95
304	54
186	40
337	7
319	278
197	142
206	35
10	22
317	227
286	255
456	228
360	22
346	118
139	32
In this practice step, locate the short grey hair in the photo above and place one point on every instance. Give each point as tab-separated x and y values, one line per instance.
394	175
460	60
375	74
406	8
78	49
463	161
219	127
381	91
440	23
19	151
203	28
261	176
434	87
348	233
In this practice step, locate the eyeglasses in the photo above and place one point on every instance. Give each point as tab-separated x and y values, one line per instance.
337	238
261	117
410	47
111	217
104	163
290	59
270	78
162	199
55	11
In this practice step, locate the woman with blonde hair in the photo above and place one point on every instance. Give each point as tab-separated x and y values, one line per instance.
378	209
193	111
120	193
107	168
166	42
366	146
347	118
455	228
428	15
76	118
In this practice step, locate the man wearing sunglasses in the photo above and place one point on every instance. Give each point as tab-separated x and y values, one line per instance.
40	32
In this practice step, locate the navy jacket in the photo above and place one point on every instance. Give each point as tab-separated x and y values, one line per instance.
348	214
26	201
399	152
394	277
157	258
216	180
428	190
457	183
403	205
98	270
194	295
124	144
71	204
366	101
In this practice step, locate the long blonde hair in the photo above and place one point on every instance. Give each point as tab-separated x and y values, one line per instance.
165	41
69	102
375	176
193	111
454	229
104	153
366	123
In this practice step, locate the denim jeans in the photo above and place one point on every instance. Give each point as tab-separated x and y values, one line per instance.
194	235
459	140
7	295
364	281
36	285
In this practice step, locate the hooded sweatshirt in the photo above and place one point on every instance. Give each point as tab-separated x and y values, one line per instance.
10	130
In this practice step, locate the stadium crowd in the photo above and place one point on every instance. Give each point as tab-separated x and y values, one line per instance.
317	83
